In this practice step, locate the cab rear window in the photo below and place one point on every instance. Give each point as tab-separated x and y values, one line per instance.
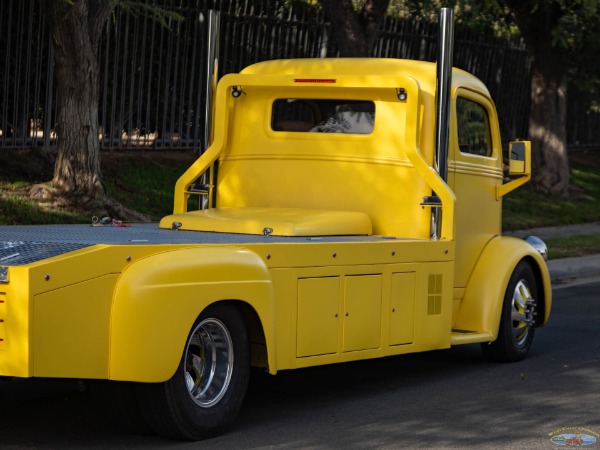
323	116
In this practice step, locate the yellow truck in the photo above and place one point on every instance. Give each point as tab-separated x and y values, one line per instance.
322	225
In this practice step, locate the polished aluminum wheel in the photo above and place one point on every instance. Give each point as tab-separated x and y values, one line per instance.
209	362
522	312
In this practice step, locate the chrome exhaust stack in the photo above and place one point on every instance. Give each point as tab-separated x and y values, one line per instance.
213	31
442	116
212	71
444	91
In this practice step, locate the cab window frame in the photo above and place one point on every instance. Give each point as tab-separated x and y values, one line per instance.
473	127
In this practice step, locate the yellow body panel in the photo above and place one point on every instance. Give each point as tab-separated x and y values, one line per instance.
15	326
158	299
131	323
56	312
260	167
70	335
501	255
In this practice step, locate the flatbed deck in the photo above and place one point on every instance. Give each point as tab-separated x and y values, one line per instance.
21	245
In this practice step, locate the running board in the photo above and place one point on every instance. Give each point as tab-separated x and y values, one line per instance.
458	337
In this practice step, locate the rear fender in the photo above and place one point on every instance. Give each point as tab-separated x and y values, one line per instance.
158	298
482	304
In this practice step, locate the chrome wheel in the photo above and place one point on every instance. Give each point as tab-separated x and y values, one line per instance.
522	312
209	362
517	319
205	393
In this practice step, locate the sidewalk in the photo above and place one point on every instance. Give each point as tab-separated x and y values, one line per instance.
567	270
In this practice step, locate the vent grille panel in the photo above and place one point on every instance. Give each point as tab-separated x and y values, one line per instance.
434	295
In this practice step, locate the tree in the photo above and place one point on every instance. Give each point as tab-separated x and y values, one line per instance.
557	34
355	31
76	28
563	41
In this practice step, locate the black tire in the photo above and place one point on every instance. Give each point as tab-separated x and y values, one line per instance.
118	404
517	321
205	394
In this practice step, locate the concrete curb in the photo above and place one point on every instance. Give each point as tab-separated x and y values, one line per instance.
558	231
566	270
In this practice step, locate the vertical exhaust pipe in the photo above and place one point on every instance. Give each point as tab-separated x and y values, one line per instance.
213	31
212	71
442	116
444	90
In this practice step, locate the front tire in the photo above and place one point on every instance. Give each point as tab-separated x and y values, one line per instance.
517	322
206	392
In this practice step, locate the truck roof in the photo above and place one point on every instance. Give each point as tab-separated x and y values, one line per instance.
423	71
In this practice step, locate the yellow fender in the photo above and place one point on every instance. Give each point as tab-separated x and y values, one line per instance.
158	298
482	304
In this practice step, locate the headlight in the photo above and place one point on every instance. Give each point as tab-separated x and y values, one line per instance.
3	274
539	245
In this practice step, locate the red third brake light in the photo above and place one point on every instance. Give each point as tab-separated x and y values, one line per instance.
314	80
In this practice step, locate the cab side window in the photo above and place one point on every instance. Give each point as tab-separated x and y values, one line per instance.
473	128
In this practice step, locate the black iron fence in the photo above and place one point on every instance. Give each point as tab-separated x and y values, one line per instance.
152	77
26	76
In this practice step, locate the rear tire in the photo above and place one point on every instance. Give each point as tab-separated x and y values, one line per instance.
205	394
118	404
517	322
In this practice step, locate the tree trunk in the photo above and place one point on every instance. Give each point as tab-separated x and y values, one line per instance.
76	27
548	114
355	32
548	133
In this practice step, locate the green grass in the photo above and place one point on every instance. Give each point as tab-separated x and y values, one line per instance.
573	246
18	211
145	183
526	208
140	181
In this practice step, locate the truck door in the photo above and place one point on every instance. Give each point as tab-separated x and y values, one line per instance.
475	169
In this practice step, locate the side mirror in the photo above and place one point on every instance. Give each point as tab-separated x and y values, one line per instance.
520	155
519	166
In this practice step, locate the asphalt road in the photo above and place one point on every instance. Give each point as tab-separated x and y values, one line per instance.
443	399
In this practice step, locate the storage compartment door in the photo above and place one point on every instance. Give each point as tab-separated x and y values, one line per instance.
402	315
318	303
362	313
